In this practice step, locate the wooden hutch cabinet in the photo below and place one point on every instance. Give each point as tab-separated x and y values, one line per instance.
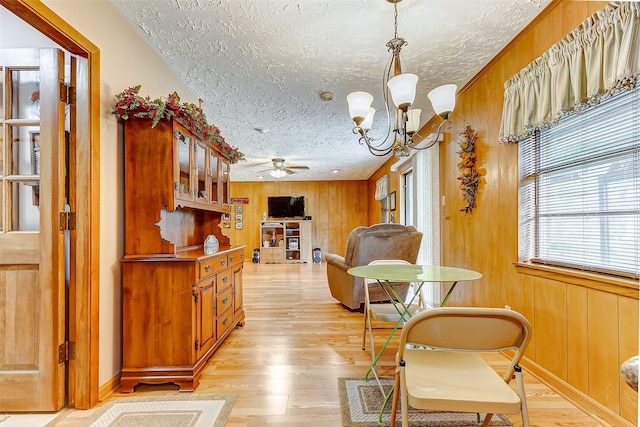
179	304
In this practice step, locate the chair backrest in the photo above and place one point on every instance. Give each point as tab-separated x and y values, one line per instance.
468	329
351	244
382	241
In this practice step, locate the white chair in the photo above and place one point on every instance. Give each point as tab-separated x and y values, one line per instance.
438	366
383	312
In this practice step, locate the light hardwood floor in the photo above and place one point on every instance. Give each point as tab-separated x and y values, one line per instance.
284	363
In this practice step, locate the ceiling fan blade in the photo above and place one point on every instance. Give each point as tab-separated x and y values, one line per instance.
258	162
298	167
288	171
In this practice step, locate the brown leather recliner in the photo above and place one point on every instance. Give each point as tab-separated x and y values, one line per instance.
366	244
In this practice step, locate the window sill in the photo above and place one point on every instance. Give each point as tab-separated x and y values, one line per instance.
612	284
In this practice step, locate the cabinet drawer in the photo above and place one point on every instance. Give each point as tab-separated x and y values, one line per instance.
224	300
224	281
236	258
223	322
212	265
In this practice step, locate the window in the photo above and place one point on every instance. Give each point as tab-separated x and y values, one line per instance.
579	190
384	210
407	198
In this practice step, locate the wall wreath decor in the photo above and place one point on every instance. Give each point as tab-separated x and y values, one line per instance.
469	177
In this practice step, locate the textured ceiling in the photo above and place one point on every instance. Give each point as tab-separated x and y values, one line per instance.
263	63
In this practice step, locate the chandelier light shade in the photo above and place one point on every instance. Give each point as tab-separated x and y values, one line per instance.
368	121
403	90
359	106
443	99
413	120
399	92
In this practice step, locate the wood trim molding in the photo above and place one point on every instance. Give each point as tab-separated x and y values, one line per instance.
83	393
109	388
612	284
43	19
598	411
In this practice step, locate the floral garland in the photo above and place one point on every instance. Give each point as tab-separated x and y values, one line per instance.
469	177
190	115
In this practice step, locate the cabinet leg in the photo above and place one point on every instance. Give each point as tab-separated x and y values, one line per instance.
127	387
187	386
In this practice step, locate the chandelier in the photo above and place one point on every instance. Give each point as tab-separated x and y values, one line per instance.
401	89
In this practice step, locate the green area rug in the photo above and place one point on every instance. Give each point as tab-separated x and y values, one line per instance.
360	403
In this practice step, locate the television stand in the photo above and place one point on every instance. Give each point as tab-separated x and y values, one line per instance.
286	241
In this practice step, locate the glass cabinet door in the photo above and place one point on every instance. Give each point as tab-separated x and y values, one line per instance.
226	198
201	175
183	180
200	171
214	179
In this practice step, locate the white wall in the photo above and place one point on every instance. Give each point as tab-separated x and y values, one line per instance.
15	33
125	60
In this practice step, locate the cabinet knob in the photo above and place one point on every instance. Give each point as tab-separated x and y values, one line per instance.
207	268
233	258
225	300
223	262
225	279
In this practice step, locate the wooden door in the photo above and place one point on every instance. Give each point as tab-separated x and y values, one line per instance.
32	282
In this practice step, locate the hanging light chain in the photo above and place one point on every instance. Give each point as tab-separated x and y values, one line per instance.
396	43
395	19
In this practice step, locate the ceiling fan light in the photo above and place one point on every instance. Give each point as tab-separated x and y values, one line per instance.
413	120
443	99
359	104
368	121
277	173
403	90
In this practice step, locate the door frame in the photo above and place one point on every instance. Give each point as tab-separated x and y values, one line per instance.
83	311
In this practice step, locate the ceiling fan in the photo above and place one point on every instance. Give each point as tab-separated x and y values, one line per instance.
280	169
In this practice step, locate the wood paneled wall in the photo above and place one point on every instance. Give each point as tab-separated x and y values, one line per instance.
583	330
336	208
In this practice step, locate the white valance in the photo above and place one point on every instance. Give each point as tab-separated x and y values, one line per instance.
382	187
595	60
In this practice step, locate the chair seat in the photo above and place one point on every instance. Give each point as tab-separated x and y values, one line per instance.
456	381
386	312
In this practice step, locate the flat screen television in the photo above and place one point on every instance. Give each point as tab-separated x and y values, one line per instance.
285	206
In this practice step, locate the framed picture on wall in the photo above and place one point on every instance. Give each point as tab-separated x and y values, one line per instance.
239	209
226	216
392	201
239	225
238	217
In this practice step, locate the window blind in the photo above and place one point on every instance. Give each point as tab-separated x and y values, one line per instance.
579	190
